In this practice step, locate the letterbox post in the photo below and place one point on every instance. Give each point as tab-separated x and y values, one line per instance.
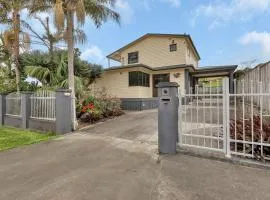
168	117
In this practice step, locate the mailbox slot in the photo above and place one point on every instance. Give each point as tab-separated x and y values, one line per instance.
166	99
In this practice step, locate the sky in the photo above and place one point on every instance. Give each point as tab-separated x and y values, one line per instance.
224	31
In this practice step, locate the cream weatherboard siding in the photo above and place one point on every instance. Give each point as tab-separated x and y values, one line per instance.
155	52
191	58
116	82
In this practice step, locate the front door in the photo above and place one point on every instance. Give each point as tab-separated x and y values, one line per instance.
158	78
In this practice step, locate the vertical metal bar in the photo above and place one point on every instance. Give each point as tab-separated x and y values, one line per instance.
185	99
228	135
204	96
224	114
235	118
252	118
218	85
244	118
180	119
211	115
261	117
197	99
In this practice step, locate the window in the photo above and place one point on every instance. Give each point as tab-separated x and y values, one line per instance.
133	58
173	47
137	78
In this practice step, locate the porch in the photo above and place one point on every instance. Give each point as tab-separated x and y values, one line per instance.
213	72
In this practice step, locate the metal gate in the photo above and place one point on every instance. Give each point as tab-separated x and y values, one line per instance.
210	117
202	118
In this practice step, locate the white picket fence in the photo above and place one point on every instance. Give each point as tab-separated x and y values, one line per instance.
43	105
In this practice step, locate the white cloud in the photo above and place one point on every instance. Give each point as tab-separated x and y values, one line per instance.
259	38
226	11
93	53
125	10
147	3
174	3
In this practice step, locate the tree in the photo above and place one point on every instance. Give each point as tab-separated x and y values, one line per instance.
53	73
50	38
65	10
12	35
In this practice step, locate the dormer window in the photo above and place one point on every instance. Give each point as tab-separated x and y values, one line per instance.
173	47
133	57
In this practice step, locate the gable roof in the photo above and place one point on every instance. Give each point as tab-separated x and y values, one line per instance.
188	37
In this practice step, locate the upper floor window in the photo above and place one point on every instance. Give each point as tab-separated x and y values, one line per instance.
133	57
173	47
138	78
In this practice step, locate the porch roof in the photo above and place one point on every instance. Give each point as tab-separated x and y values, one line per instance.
182	66
211	71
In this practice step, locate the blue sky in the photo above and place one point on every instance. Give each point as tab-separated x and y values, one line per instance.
224	31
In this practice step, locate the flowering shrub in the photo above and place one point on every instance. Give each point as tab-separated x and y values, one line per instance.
88	108
95	108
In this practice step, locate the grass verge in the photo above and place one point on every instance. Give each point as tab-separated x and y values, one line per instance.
13	137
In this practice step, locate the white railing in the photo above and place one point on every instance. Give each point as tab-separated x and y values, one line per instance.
250	120
43	105
201	118
234	123
13	104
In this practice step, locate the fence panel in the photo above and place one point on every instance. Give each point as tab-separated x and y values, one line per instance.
43	105
202	119
13	104
250	120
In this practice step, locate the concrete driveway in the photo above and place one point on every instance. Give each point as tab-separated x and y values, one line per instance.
110	161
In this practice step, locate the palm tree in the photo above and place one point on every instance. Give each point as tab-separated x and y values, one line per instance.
12	35
65	11
53	73
50	38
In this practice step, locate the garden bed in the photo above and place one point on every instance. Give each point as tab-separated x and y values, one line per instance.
95	109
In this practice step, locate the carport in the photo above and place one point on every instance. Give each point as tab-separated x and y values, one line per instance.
209	72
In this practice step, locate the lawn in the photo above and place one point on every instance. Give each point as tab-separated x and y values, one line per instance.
12	137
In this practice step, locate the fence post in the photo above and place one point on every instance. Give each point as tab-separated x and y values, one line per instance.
2	108
26	109
226	117
63	111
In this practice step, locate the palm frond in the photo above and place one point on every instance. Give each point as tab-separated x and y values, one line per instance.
100	11
40	73
59	15
80	12
26	41
80	36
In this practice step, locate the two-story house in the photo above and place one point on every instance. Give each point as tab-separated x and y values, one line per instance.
151	59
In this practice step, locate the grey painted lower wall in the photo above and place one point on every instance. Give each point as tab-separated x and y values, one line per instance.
42	125
14	121
139	103
33	124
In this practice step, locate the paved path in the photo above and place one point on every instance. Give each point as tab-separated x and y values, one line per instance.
107	162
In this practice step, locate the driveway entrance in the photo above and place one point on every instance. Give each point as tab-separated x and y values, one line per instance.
110	161
135	126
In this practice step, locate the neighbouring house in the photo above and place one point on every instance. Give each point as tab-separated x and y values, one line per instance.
151	59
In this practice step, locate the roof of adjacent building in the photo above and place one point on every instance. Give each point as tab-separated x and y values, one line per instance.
188	37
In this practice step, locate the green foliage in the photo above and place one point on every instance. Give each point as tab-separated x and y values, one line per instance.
94	108
53	73
12	137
